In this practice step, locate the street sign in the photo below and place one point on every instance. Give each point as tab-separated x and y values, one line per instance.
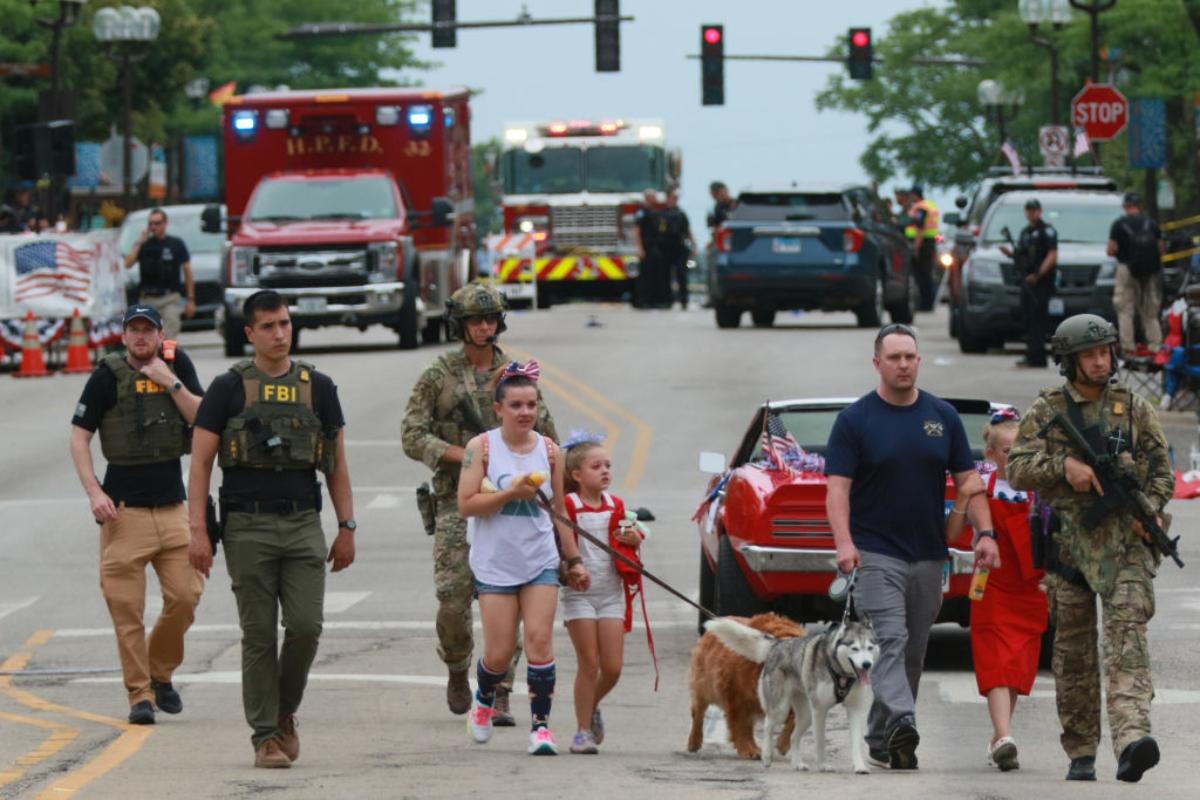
9	69
1100	110
1054	141
1148	133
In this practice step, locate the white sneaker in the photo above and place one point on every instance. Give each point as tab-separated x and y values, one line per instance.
541	743
479	722
1003	754
1165	402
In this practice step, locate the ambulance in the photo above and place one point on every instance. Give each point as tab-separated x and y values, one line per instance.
354	204
574	187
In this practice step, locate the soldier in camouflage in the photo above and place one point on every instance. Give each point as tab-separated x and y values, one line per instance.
1112	560
450	404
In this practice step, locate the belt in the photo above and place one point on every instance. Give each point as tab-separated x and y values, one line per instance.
158	292
247	506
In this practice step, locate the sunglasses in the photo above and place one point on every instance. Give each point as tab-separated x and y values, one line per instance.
475	319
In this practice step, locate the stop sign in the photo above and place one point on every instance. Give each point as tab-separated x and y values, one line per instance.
1100	110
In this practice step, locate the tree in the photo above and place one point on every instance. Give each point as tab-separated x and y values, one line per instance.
485	157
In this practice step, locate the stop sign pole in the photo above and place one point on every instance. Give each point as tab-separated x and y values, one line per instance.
1100	110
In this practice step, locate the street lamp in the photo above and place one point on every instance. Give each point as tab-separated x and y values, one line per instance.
1000	103
1054	12
120	28
1094	8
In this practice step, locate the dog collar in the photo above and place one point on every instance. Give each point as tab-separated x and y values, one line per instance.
841	684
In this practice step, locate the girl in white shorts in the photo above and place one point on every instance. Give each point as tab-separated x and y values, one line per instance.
595	616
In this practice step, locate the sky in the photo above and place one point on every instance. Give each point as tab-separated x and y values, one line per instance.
769	129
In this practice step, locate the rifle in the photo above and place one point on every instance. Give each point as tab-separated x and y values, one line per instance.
1121	491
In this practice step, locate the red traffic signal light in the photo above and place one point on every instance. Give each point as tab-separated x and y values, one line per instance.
860	39
712	35
860	58
712	65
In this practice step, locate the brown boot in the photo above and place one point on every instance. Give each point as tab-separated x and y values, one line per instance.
458	692
501	716
268	755
289	740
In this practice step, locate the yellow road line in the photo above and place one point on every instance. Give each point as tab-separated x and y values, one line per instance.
644	433
129	742
60	736
612	431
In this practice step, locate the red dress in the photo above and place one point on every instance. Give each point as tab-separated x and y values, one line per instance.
1007	624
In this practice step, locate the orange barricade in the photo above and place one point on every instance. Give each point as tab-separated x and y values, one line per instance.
33	364
79	358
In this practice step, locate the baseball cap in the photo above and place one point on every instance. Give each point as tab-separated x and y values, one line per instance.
1132	199
147	313
1033	202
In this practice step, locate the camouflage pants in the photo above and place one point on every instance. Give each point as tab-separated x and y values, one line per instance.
455	586
1128	686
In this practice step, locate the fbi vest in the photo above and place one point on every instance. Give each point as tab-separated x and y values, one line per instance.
144	427
277	428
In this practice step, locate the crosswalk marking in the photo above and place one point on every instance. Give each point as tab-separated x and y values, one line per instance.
17	605
381	501
337	602
960	687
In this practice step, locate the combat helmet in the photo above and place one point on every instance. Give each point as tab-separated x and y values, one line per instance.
1078	333
475	300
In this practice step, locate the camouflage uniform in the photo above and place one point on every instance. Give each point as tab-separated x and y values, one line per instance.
450	404
1108	560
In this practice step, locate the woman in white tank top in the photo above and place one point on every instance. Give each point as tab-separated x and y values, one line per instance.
515	550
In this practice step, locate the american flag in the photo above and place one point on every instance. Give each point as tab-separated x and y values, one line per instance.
778	443
50	267
1082	143
1014	158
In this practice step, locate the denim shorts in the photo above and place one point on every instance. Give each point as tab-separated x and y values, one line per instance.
547	577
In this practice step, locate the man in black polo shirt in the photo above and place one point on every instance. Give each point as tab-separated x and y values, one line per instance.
645	236
1036	257
163	259
142	401
886	465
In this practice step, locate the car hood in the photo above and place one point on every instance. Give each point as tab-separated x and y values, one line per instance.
1068	253
269	234
206	267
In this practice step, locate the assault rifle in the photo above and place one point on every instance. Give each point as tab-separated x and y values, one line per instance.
1121	490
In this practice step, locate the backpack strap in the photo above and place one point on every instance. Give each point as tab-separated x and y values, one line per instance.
549	452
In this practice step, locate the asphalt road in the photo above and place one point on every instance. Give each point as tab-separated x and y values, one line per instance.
663	386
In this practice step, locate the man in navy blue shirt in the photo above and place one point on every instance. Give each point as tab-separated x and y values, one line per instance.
886	464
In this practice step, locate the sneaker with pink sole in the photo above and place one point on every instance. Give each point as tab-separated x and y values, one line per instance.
541	743
479	722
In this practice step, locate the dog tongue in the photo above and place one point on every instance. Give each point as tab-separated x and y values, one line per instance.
864	677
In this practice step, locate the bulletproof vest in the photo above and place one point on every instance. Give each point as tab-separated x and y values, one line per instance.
464	406
1103	439
277	428
144	427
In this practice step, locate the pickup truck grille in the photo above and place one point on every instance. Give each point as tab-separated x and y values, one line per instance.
325	267
1070	276
593	227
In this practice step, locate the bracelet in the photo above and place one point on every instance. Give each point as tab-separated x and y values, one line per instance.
954	510
573	561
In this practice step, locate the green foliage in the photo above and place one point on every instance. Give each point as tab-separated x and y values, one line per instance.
221	40
484	158
926	121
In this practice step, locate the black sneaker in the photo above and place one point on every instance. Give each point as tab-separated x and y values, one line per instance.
902	746
166	698
878	758
1082	769
142	713
1136	758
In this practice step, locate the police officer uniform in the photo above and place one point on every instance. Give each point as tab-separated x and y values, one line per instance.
921	228
142	435
160	264
1089	560
276	432
671	239
450	404
1034	244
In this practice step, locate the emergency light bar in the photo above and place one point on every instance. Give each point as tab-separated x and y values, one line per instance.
387	115
277	118
420	118
582	128
244	123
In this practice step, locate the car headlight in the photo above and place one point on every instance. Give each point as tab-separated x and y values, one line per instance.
383	256
1108	273
538	225
241	265
984	270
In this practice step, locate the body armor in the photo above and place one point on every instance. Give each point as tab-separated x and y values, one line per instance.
144	427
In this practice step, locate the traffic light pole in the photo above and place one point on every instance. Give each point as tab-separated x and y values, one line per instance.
920	62
323	29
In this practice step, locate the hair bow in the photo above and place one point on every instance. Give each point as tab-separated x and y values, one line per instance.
1009	414
529	369
580	436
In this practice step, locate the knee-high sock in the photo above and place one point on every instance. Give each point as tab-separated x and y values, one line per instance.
488	681
541	690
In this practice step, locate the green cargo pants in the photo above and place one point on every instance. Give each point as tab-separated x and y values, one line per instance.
276	560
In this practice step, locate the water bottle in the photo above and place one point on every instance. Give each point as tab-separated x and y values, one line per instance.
978	582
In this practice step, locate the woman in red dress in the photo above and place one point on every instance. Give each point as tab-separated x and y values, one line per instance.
1008	622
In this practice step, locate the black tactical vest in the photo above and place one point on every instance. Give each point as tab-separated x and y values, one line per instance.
277	428
144	427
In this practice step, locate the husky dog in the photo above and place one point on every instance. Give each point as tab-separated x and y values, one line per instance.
810	675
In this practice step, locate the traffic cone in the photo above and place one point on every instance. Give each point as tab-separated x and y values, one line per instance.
33	365
79	358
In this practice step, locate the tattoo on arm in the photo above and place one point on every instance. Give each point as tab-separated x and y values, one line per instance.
468	458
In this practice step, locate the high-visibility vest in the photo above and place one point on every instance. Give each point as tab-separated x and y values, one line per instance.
933	219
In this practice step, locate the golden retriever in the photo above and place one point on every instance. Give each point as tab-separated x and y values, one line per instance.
720	677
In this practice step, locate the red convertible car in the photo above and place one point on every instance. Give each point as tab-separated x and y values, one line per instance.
765	542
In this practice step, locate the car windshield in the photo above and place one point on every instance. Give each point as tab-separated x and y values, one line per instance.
184	224
811	429
783	206
285	200
553	170
1088	223
624	169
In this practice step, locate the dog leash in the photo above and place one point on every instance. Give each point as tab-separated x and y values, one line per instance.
544	502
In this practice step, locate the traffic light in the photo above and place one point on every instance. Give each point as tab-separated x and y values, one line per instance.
608	36
858	61
444	32
712	65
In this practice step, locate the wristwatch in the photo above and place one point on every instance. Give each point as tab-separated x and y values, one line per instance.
348	524
176	386
983	534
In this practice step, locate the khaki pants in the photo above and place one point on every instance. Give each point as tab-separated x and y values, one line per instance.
1141	297
167	306
140	536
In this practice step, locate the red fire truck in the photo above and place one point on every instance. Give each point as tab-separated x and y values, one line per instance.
576	185
354	204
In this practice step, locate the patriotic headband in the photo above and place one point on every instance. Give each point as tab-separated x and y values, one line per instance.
1006	415
579	436
529	370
